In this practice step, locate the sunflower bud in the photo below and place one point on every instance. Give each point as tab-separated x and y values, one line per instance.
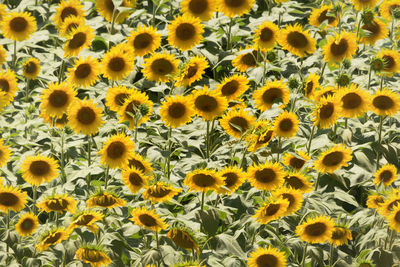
272	56
293	83
346	63
143	109
343	79
368	17
396	13
377	64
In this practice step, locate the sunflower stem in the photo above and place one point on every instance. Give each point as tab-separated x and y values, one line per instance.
279	149
14	59
56	219
369	76
27	89
323	70
62	163
158	242
379	140
170	152
345	122
208	140
106	177
114	15
392	238
381	84
202	200
303	261
61	73
89	158
317	183
310	140
331	256
228	44
358	24
34	189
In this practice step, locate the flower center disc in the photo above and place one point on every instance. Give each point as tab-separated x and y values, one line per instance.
116	150
185	31
39	168
333	159
86	115
206	103
176	110
203	180
265	175
18	24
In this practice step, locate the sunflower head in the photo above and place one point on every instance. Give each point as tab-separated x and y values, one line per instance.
247	58
86	219
57	203
233	87
203	180
185	32
39	168
326	112
31	68
354	101
85	117
96	256
160	67
323	14
68	9
272	209
373	31
116	97
57	98
298	181
391	62
192	71
375	201
118	62
294	197
267	176
297	161
18	26
136	109
105	200
148	219
274	92
286	124
394	218
342	46
52	237
69	24
160	192
385	102
78	39
297	41
84	73
27	224
265	37
208	104
340	235
12	199
202	9
5	153
177	110
109	11
268	256
117	150
237	122
333	159
233	178
261	134
183	238
144	40
232	8
316	229
8	85
386	175
139	163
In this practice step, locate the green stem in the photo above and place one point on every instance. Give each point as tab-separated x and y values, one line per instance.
208	140
8	227
89	158
317	183
229	45
345	122
56	219
323	70
62	161
331	256
34	189
170	152
106	177
381	84
369	76
158	242
14	59
358	25
27	89
202	200
114	15
61	73
379	140
310	140
279	149
303	261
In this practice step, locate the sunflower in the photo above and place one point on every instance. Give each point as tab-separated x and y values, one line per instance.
321	14
296	40
77	40
160	67
265	37
260	136
69	24
144	40
246	58
185	32
342	46
36	169
12	199
340	236
134	179
237	122
391	59
116	97
138	162
84	72
208	104
297	161
52	237
148	219
27	224
116	64
375	201
3	55
316	230
394	218
385	102
56	98
294	197
333	158
31	68
374	31
67	9
107	9
286	124
354	101
202	9
136	109
176	110
232	8
234	86
273	92
324	92
8	85
387	7
192	71
298	181
311	84
85	117
387	206
105	200
3	11
267	176
386	175
18	26
5	153
160	192
272	210
95	256
326	112
183	239
203	180
269	256
233	178
364	4
117	150
86	218
57	203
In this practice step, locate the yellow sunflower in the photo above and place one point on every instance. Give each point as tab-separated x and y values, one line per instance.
316	230
260	136
202	9
105	200
342	46
273	92
136	109
374	31
116	97
268	256
160	67
324	92
192	71
106	9
27	224
232	8
148	219
387	7
203	180
95	256
340	236
18	26
52	237
375	201
246	58
3	55
77	40
233	178
354	101
12	199
267	176
321	14
265	37
67	9
36	169
84	73
294	197
385	102
185	32
391	59
31	68
298	181
134	179
393	200
208	104
116	64
183	239
176	110
57	98
286	124
297	161
69	24
84	116
272	209
160	192
8	85
5	153
86	219
386	175
326	112
57	203
117	150
311	84
234	86
364	4
333	159
3	11
139	163
144	40
296	40
237	122
394	218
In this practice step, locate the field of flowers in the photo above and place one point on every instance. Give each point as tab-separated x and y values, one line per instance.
214	133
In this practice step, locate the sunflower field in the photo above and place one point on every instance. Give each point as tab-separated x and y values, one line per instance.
261	133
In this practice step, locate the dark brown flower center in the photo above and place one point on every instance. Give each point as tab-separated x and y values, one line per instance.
271	95
296	163
83	71
198	6
84	219
249	59
333	159
266	34
68	11
234	3
203	180
130	110
395	202
351	101
8	199
142	41
286	125
185	31
309	87
238	124
120	99
338	233
294	182
230	88
86	115
315	229
290	198
30	68
265	176
372	28
397	217
326	111
77	40
297	40
263	139
389	62
323	16
58	98
116	150
105	201
206	103
386	176
71	26
230	179
162	66
383	102
339	49
57	204
92	255
109	5
267	260
116	64
18	24
159	192
177	110
27	224
272	209
137	164
135	179
147	220
52	238
192	70
182	239
39	168
4	85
